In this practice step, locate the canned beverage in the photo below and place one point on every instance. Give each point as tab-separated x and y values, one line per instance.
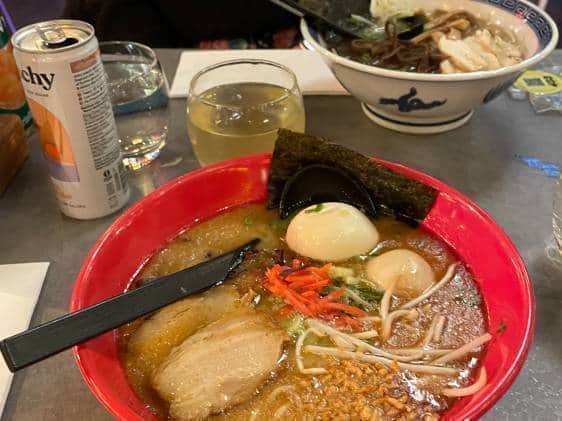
65	85
12	98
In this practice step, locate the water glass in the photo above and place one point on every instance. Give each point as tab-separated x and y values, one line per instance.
235	108
139	94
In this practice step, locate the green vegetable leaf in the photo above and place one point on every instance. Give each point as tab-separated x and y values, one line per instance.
294	325
366	58
361	19
367	292
362	295
371	34
316	208
358	293
364	27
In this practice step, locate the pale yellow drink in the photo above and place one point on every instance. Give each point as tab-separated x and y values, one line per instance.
238	119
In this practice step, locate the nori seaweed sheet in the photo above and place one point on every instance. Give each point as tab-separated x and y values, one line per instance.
402	196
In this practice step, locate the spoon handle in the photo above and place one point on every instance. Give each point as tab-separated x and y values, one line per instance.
50	338
302	11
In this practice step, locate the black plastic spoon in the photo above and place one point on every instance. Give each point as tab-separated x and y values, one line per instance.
333	12
330	12
50	338
317	183
415	25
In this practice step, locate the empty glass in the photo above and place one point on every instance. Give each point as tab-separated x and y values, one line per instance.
235	108
139	93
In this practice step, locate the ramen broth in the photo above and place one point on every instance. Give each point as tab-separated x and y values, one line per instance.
349	389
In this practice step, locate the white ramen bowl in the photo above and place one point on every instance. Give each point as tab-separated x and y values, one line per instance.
433	103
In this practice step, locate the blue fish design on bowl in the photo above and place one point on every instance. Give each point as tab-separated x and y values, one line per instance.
408	102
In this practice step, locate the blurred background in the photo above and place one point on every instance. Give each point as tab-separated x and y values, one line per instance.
183	23
171	23
24	12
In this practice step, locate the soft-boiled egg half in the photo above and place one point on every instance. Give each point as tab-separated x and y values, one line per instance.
410	272
331	232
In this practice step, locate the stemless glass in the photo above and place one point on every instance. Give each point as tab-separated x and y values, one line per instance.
234	108
139	94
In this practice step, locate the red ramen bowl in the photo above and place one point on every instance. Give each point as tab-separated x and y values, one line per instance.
146	227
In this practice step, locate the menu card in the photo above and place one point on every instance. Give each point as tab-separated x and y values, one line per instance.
20	285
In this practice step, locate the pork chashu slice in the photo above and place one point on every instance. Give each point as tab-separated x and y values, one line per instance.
220	366
153	341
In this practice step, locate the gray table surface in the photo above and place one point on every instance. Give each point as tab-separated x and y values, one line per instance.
478	159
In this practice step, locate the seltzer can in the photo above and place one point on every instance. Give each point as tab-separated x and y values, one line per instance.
66	89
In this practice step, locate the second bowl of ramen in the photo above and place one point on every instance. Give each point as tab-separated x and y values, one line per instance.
466	54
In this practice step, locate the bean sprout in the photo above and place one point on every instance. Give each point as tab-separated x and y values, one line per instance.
448	276
386	298
387	325
463	350
469	390
439	328
299	358
417	368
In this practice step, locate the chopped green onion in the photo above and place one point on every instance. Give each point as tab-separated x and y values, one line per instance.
366	58
294	325
316	208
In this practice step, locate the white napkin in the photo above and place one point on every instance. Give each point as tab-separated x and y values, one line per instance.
20	285
313	75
